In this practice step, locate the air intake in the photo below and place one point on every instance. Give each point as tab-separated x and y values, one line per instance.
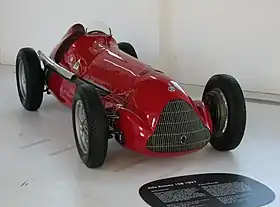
179	129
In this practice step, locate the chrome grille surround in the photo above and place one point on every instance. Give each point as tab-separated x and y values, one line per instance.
179	129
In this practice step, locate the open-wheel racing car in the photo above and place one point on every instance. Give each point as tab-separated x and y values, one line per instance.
114	95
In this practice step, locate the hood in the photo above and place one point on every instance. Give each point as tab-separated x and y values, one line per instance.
149	97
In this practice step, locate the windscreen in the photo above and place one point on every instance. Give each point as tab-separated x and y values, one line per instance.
97	27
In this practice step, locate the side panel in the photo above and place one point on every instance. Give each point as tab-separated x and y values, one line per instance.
61	88
80	58
74	29
67	89
54	82
77	59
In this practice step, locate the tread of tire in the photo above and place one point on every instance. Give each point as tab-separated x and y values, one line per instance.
237	108
34	78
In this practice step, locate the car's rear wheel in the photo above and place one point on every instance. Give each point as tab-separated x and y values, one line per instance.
30	79
90	125
225	100
128	48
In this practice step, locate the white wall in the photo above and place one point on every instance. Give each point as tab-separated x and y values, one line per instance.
239	37
189	39
165	44
40	24
1	30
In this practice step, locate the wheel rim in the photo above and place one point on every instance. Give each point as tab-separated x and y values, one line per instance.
81	127
22	80
218	107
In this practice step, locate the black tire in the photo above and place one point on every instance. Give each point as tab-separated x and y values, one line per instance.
226	87
28	61
97	125
128	48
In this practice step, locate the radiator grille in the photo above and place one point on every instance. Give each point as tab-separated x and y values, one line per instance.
179	129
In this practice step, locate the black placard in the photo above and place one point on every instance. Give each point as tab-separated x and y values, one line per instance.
207	190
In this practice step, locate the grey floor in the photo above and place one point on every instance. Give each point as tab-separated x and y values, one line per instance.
40	165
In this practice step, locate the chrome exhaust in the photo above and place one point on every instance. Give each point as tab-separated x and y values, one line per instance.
56	67
66	73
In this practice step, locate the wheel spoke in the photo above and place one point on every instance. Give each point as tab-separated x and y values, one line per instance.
81	125
22	80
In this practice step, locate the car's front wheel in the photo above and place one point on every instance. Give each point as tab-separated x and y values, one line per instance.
90	125
224	98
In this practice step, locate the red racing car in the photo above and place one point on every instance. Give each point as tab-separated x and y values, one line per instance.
114	95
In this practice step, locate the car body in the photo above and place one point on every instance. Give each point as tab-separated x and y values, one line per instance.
147	111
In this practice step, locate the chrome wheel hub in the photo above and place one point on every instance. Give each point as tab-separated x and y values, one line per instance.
22	80
81	127
218	107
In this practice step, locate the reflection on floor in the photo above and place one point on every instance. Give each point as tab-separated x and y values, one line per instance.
40	165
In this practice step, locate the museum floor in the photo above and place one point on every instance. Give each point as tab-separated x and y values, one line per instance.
40	165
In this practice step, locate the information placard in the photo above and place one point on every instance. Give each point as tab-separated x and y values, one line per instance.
207	190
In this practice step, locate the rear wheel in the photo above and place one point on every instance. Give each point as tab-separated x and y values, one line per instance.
225	100
30	79
128	48
90	125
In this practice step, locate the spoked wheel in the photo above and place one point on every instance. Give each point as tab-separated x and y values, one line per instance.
225	101
22	80
81	127
90	125
30	79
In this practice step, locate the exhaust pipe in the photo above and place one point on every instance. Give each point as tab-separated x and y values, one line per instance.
56	67
66	73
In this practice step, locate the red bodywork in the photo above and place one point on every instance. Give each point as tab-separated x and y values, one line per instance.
138	92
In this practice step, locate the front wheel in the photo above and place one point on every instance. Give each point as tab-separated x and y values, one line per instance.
90	125
225	100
